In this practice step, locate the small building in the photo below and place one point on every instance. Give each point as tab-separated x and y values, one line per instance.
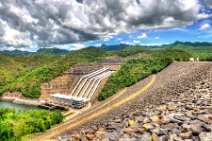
194	59
68	100
191	59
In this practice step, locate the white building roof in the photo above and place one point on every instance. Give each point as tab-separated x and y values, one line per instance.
68	97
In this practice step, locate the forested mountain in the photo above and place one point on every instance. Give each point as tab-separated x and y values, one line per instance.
16	52
42	51
193	44
113	47
25	74
55	51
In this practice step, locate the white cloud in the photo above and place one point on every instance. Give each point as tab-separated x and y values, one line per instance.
127	42
157	38
151	44
76	46
107	38
136	41
202	16
13	37
119	39
65	22
98	45
142	36
205	26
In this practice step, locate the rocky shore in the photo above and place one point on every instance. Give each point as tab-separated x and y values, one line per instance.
180	110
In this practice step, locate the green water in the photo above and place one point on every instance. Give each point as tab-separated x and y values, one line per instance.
19	107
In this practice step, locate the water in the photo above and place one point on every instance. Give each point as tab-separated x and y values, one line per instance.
19	107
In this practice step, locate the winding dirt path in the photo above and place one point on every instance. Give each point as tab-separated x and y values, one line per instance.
94	113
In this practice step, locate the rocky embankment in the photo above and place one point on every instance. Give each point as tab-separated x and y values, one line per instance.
180	110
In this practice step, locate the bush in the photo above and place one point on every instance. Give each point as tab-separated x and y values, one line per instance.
15	125
131	72
174	54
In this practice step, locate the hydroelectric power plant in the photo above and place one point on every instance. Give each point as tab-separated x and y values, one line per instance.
86	82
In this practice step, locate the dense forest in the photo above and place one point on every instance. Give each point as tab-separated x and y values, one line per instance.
137	69
131	72
202	50
15	125
41	51
25	74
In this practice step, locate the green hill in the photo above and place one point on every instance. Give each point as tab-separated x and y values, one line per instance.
113	47
16	52
42	51
55	51
202	52
26	74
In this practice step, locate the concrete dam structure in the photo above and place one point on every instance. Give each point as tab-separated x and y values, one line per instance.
80	84
86	87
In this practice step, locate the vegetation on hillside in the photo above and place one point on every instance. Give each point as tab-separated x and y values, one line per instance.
204	53
14	125
52	51
130	51
137	69
131	72
174	54
113	47
26	74
42	51
16	52
201	50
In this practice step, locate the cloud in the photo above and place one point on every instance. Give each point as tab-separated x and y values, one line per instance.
73	46
136	41
119	39
13	37
76	46
157	38
142	36
203	16
49	22
205	26
127	42
208	3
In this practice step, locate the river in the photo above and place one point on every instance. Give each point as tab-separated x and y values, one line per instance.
19	107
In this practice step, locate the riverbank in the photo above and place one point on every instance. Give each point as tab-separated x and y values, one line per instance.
17	107
17	98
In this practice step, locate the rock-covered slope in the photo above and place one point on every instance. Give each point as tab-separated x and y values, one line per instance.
177	107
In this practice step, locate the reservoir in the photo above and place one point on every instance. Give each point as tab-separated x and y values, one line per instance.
19	107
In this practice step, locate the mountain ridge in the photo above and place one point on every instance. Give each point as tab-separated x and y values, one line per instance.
41	51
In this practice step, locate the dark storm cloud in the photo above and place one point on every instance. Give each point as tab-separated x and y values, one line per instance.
62	21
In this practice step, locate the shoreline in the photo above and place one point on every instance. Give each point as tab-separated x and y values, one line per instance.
16	100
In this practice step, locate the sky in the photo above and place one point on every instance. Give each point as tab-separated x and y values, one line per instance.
74	24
